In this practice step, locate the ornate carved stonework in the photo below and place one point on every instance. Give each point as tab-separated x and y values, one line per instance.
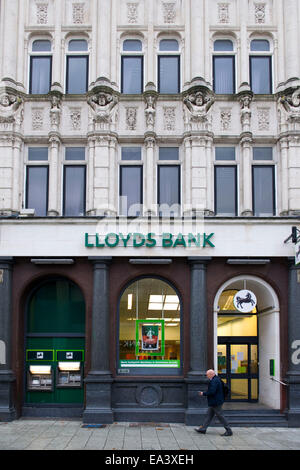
223	13
263	118
225	119
169	118
37	119
290	104
78	13
150	110
75	118
42	13
245	102
198	104
9	107
55	111
102	105
169	12
260	13
132	12
131	118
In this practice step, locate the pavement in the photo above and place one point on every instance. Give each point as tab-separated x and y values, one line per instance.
58	434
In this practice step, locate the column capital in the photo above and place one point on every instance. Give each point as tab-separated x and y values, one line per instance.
197	261
100	260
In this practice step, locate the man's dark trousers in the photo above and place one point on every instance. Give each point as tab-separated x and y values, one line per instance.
211	412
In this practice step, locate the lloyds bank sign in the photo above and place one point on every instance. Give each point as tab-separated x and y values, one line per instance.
149	240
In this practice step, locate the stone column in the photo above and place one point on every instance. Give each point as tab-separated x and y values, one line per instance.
196	380
197	45
293	374
103	40
246	147
7	378
284	176
291	35
10	59
150	198
54	142
99	380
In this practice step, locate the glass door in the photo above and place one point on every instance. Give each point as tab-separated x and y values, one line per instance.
238	367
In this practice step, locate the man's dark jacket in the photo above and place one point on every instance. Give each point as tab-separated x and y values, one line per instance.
214	393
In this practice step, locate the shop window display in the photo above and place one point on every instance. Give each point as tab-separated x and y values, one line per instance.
149	334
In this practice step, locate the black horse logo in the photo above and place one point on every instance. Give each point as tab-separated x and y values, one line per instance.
244	300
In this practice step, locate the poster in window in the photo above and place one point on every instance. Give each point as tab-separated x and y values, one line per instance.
150	339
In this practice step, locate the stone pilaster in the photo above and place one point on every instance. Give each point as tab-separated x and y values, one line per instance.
293	374
196	380
7	378
98	381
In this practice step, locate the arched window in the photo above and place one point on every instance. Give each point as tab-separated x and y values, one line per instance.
132	67
77	67
40	67
224	67
260	66
168	66
149	329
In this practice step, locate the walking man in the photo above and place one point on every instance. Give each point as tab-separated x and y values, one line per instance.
215	400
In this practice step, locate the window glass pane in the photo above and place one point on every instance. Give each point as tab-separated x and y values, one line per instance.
223	45
131	190
168	45
261	75
78	45
263	190
168	153
169	74
38	153
260	45
77	75
224	75
40	77
37	189
132	45
225	190
75	153
74	190
131	153
41	46
262	153
149	335
169	190
132	73
225	153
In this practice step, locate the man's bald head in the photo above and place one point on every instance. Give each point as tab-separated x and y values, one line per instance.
210	373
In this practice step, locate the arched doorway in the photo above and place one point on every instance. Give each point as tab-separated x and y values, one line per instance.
246	345
54	349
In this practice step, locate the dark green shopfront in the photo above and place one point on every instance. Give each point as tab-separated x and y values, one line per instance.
75	340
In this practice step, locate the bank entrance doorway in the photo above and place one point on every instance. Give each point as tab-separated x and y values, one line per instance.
238	367
247	343
237	349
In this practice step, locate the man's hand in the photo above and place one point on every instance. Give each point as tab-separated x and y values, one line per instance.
201	394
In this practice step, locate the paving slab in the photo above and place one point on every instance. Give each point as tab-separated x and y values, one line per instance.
62	434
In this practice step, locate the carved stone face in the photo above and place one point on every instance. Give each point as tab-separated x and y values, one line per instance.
4	100
199	100
102	100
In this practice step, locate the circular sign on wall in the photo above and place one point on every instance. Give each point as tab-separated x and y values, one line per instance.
244	301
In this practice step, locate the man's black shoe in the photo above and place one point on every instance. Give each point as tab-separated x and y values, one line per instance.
201	430
227	433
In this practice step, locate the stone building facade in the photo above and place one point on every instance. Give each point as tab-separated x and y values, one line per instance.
123	121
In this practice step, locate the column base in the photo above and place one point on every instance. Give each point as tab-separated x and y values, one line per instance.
293	412
7	410
196	405
98	399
